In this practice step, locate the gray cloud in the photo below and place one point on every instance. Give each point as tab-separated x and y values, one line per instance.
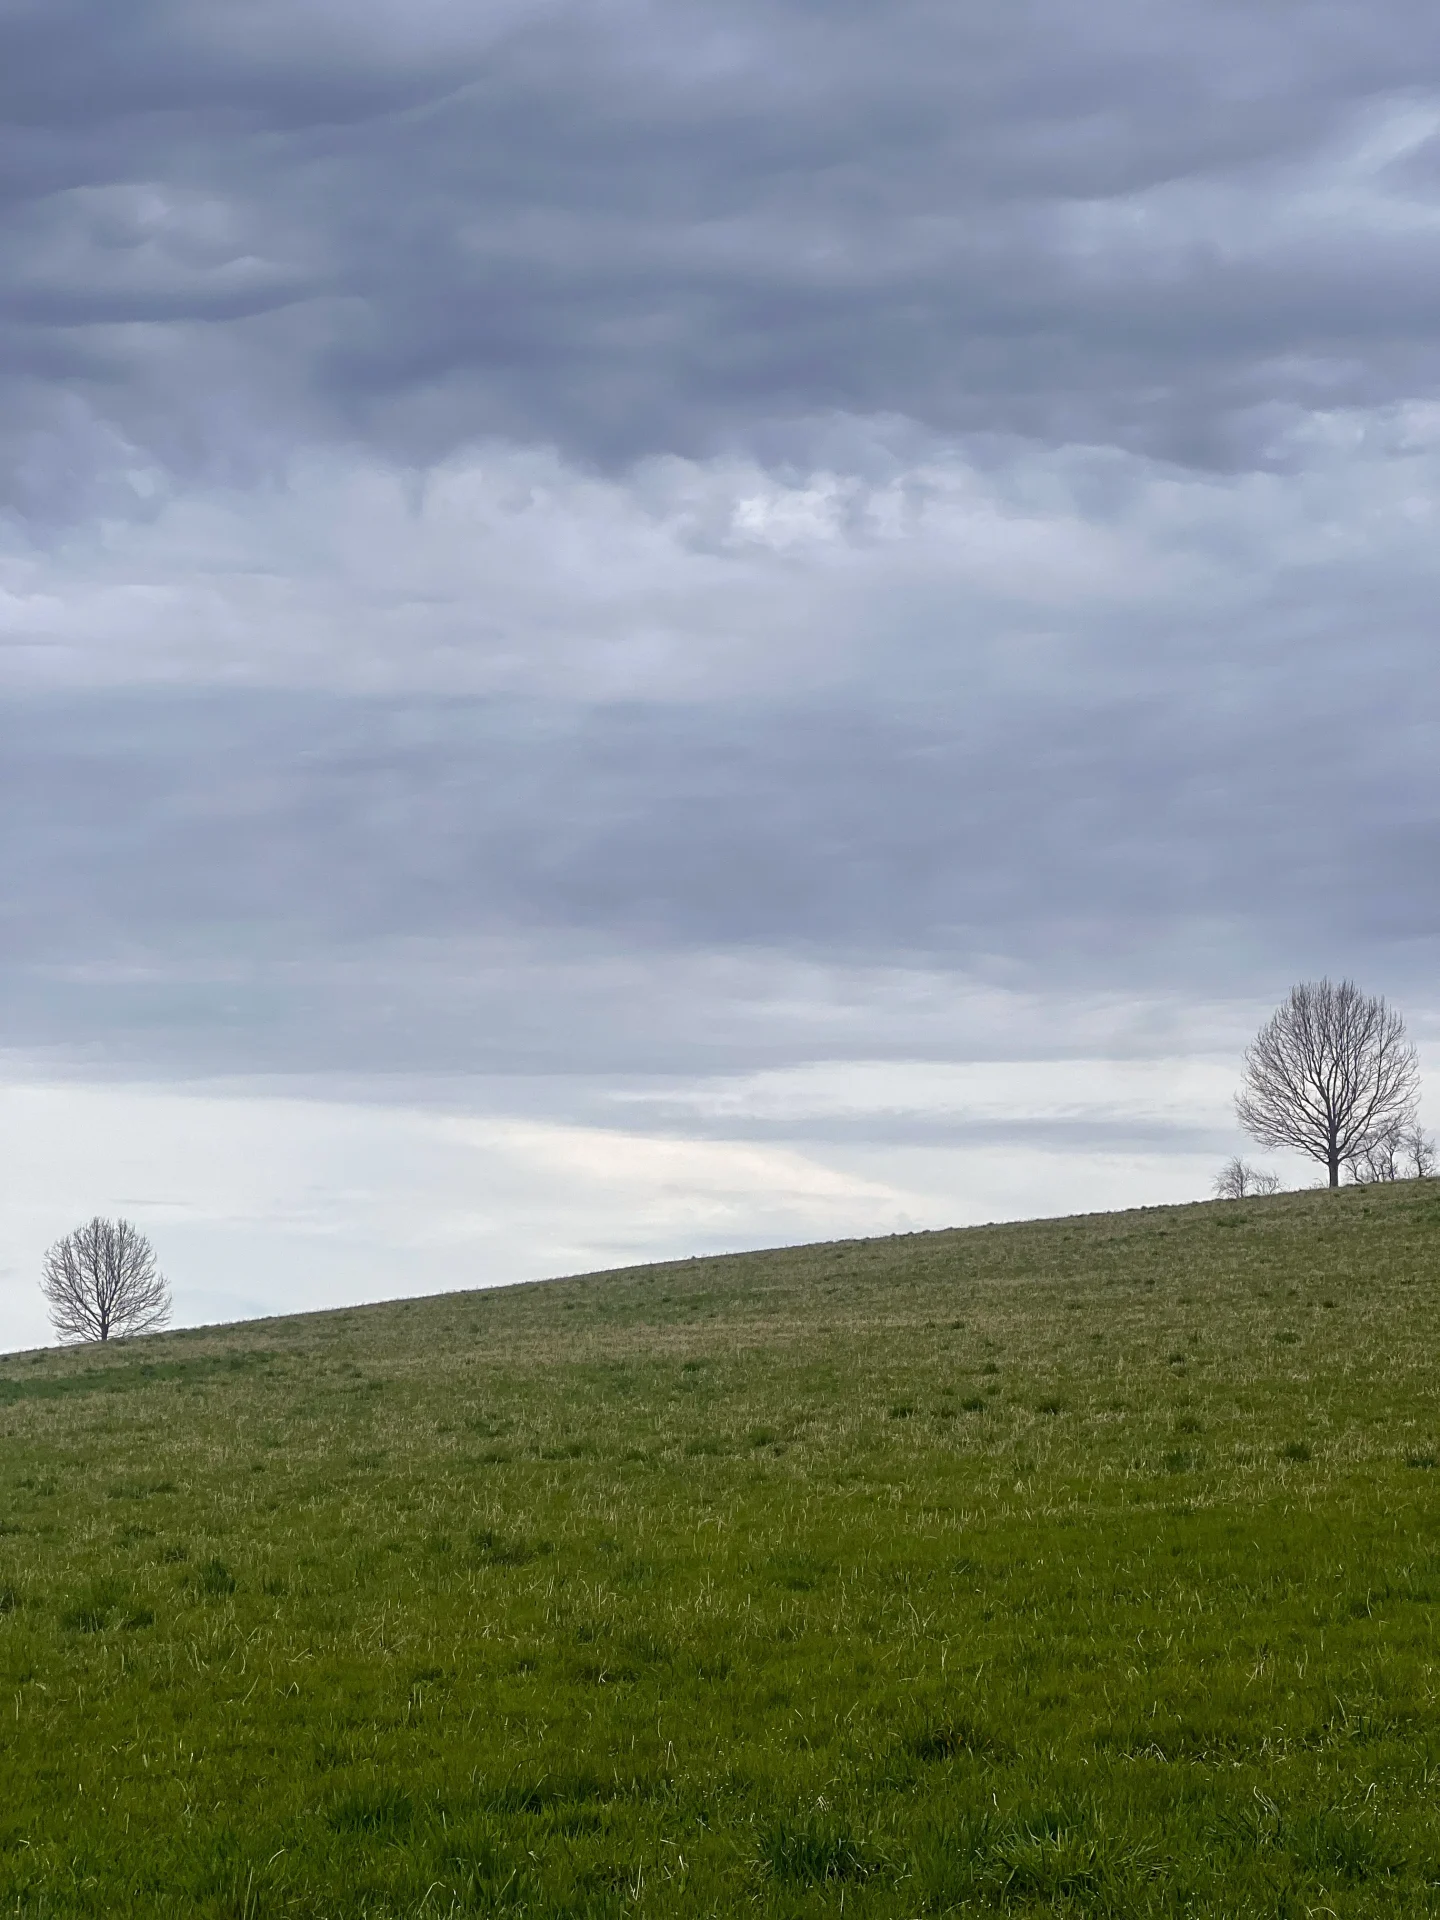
289	881
632	231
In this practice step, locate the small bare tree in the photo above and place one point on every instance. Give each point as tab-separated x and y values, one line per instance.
102	1280
1238	1180
1419	1150
1378	1161
1403	1151
1328	1075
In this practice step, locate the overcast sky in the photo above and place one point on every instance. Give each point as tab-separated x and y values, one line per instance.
627	630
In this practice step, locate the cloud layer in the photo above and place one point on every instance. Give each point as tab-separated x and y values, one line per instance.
556	562
630	230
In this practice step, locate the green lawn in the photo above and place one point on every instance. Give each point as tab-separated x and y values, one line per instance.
1083	1566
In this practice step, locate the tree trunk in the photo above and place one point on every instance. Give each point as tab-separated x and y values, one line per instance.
1334	1168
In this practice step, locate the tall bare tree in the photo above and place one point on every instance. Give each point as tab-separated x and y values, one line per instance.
102	1280
1330	1074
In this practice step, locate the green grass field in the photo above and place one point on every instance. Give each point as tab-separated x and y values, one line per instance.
1082	1566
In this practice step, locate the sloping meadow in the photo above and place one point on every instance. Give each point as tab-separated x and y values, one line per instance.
1083	1566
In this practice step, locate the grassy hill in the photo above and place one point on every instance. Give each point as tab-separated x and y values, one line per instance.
1081	1566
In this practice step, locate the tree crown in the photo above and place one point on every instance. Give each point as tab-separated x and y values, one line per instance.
1329	1074
102	1280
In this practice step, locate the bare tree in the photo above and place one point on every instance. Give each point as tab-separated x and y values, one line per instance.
1402	1151
1238	1180
1419	1150
1328	1075
102	1280
1378	1160
1233	1180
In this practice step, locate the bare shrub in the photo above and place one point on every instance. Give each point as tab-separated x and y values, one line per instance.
102	1281
1238	1180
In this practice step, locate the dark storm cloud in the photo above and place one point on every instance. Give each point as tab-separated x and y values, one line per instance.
628	230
